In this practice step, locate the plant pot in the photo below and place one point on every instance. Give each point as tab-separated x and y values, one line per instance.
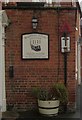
49	107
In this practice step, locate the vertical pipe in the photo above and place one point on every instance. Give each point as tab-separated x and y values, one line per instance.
58	15
65	76
65	68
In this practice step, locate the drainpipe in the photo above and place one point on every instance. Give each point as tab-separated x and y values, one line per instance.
65	76
65	68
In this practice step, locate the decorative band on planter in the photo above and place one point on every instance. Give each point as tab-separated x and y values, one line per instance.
49	107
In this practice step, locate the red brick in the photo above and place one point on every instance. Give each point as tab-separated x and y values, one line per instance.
31	73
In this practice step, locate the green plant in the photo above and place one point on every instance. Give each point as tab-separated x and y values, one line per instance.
41	93
58	91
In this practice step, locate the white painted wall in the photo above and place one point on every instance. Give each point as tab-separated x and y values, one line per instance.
3	24
3	70
79	63
1	74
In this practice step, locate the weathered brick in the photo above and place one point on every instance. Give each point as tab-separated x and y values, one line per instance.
30	73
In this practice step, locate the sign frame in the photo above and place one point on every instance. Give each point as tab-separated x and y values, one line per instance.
35	46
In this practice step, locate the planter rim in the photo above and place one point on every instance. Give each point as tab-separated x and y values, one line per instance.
48	100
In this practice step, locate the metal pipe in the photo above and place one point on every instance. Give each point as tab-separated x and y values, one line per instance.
65	76
65	68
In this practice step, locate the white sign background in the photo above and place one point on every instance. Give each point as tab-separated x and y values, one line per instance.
35	46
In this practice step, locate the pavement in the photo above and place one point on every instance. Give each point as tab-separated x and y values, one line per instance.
34	114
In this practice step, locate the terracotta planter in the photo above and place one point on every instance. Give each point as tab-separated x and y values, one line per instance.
49	107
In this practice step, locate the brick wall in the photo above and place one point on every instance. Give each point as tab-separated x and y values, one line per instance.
44	73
